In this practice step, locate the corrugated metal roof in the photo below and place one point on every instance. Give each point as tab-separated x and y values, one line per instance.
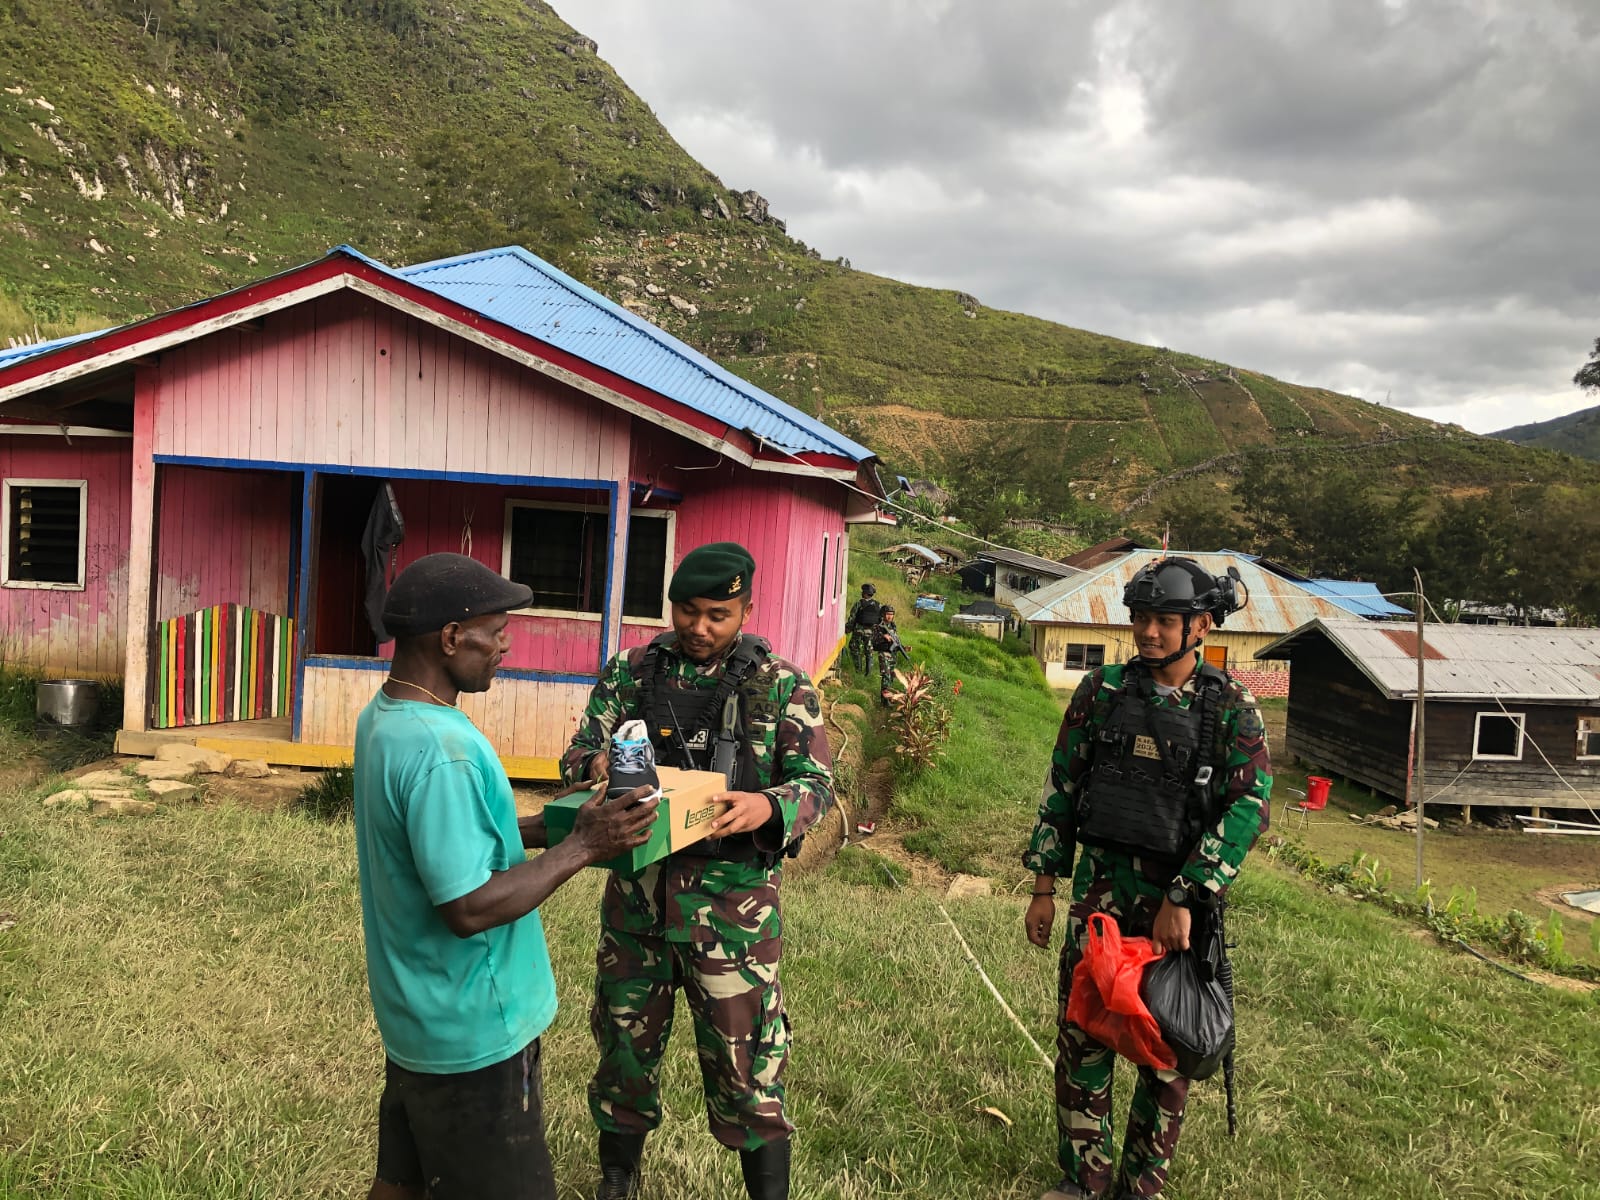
521	290
1464	662
1277	605
518	289
933	556
16	354
1363	599
1027	562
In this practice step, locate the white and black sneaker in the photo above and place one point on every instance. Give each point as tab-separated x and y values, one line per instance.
633	762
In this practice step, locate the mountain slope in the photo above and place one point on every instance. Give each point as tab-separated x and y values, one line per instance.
156	152
1576	433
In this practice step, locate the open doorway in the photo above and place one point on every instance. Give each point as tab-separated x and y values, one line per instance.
340	626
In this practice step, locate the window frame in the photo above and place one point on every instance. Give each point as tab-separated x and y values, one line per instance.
822	583
1594	720
44	585
1086	665
571	614
842	541
1519	719
668	561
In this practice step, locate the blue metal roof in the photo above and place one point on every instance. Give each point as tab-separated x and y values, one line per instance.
519	289
516	288
1362	599
16	354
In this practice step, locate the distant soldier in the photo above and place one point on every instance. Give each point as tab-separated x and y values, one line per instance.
1160	773
706	918
862	620
886	645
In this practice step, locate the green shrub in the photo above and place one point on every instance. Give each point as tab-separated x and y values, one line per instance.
329	797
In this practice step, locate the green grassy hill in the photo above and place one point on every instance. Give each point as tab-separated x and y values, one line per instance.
1576	433
154	151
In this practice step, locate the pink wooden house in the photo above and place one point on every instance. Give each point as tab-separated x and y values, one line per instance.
183	500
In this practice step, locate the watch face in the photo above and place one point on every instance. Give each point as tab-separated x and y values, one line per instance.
1177	894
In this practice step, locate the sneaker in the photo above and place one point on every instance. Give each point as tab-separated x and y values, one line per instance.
867	827
633	762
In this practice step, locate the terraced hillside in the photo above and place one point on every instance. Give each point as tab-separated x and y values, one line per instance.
152	153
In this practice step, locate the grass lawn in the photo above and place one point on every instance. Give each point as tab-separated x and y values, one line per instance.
1501	869
183	1014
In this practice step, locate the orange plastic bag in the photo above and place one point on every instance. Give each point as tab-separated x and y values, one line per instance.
1105	994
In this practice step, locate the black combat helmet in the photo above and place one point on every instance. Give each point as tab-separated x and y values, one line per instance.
868	589
1181	585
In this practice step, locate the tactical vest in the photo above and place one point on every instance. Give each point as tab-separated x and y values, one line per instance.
1156	771
868	613
687	723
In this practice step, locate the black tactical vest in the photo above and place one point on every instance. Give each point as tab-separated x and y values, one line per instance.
1155	770
685	724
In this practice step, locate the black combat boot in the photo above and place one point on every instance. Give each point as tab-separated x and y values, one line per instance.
766	1171
619	1165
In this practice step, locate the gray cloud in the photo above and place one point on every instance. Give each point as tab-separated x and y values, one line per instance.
1380	196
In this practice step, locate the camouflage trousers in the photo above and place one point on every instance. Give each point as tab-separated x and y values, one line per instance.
860	649
885	671
741	1033
1111	883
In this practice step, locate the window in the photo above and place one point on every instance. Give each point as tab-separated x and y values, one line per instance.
644	588
1498	735
838	568
1085	656
1589	737
822	584
43	530
563	552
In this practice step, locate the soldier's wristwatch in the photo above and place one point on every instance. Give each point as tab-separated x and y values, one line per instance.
1178	893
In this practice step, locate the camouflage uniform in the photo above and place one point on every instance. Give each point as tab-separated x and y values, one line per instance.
711	926
884	635
1131	889
860	638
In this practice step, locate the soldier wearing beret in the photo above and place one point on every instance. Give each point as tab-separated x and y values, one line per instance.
456	958
707	918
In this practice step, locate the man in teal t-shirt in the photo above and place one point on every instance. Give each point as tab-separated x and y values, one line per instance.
456	959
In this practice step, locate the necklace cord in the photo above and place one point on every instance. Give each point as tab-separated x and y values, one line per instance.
423	690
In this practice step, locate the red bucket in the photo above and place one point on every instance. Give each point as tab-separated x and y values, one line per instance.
1317	791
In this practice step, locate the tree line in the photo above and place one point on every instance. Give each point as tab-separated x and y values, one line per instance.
1527	546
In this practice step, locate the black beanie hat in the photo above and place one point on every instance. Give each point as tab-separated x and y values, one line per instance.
440	588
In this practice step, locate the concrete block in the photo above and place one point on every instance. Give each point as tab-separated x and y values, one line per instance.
111	779
172	791
202	761
122	808
165	770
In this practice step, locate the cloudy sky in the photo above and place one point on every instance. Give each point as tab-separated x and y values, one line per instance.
1392	198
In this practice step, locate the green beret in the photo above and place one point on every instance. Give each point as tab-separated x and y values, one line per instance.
715	571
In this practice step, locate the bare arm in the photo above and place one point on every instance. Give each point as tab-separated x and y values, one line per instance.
603	830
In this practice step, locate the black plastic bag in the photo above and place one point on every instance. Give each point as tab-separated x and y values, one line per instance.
1188	1002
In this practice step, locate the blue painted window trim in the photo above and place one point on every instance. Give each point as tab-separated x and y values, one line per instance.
342	662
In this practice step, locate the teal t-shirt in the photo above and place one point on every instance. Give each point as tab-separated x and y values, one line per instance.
434	816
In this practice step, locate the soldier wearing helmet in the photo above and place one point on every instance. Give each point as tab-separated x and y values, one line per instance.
1159	785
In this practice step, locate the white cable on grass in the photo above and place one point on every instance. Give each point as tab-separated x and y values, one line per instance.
1048	1062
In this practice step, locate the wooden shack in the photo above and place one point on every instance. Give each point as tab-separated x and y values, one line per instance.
1512	714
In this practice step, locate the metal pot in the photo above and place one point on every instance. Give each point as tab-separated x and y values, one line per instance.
70	703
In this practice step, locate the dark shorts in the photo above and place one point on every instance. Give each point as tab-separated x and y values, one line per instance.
477	1135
